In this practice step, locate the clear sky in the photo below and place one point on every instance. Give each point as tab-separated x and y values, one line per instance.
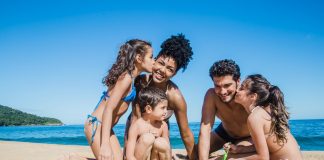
54	54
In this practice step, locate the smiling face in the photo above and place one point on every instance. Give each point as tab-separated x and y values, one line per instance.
225	87
164	68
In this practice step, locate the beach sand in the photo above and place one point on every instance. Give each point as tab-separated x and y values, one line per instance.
10	150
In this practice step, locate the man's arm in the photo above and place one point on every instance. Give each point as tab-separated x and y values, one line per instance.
207	121
239	149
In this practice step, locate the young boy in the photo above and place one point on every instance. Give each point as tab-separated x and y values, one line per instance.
148	137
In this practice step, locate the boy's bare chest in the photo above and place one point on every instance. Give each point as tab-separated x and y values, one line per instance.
157	132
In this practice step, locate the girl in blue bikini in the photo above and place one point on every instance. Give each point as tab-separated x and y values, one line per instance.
134	57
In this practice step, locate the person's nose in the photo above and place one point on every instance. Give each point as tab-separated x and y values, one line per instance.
163	69
223	91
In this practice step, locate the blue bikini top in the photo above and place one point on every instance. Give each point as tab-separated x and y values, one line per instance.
129	98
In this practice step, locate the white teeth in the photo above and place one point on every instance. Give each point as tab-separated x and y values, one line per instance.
158	75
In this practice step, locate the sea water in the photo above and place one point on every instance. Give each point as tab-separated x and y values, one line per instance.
308	133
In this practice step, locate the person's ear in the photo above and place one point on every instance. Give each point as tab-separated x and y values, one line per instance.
148	109
254	97
138	58
238	82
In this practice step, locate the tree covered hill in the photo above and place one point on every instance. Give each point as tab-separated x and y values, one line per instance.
14	117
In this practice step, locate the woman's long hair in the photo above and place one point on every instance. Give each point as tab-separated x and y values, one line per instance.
125	60
270	95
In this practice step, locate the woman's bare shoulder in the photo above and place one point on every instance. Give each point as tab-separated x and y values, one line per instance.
173	91
259	116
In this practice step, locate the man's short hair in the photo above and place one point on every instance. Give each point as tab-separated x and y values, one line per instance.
225	67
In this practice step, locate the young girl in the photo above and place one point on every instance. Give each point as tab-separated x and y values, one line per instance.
175	55
148	136
134	57
268	120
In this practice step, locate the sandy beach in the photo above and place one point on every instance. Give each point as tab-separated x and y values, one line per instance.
10	150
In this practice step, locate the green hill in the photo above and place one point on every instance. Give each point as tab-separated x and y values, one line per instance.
14	117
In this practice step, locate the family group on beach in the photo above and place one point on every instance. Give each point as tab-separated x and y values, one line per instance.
254	118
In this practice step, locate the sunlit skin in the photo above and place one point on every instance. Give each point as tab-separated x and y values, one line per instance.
148	136
164	69
159	112
225	88
219	102
105	145
259	123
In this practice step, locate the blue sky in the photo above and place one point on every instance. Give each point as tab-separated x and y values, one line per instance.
54	54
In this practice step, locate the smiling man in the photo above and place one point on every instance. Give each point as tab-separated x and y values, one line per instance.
219	101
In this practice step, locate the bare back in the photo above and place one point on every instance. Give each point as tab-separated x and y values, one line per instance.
289	150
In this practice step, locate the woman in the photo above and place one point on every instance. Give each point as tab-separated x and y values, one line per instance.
267	120
175	54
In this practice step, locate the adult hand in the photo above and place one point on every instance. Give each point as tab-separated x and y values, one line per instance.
231	148
105	153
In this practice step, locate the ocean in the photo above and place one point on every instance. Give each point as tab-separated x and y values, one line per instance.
309	134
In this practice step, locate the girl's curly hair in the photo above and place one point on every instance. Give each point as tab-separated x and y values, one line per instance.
178	48
125	60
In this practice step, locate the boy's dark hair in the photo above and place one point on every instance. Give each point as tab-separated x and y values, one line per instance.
225	67
177	47
150	96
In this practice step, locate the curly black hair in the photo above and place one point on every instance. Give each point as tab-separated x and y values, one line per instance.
225	67
178	48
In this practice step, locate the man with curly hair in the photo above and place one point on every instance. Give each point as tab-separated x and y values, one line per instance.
219	101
